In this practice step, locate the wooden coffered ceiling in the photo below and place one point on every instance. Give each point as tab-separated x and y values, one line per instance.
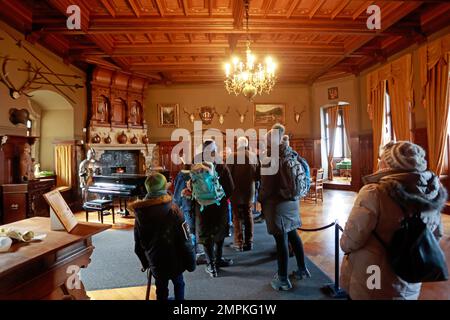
188	41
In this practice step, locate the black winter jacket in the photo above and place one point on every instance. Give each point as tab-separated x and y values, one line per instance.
162	238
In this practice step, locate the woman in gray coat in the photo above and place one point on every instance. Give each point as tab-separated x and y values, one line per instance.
282	218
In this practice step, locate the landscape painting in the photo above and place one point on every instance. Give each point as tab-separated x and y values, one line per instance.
168	115
266	114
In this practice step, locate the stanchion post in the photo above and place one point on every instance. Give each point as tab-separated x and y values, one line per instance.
333	289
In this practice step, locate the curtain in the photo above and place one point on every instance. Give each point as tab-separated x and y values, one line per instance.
376	112
346	117
63	165
401	94
332	124
398	74
434	76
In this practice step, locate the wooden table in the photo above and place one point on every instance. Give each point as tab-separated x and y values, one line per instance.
42	269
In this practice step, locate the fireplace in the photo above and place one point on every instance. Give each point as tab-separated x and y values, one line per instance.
121	161
124	158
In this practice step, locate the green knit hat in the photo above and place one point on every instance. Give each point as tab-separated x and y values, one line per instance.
155	182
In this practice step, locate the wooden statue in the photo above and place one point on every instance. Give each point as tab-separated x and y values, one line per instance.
25	163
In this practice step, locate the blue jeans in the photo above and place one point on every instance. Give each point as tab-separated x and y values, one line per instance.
162	287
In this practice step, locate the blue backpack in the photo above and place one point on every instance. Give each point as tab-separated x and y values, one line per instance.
206	188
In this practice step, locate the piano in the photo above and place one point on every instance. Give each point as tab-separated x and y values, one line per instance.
120	186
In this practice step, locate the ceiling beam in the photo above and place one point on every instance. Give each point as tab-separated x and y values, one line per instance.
341	6
159	7
362	8
292	8
316	7
238	14
388	21
134	6
108	8
185	7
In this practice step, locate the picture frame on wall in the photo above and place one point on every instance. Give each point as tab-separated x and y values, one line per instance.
333	93
267	114
168	115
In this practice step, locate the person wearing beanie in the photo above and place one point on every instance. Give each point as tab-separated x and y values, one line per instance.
245	170
162	238
402	185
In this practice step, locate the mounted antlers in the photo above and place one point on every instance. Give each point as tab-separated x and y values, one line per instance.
14	92
298	115
222	115
190	115
242	115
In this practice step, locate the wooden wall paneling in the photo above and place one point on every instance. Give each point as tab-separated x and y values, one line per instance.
362	158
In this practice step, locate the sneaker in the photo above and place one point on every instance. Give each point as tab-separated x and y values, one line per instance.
236	248
223	263
258	219
301	274
280	285
200	258
211	270
247	247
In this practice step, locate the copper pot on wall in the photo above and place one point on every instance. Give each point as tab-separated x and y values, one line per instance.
134	140
122	138
96	139
108	139
145	140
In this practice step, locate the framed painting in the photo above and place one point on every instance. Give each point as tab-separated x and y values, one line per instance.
333	93
168	115
267	114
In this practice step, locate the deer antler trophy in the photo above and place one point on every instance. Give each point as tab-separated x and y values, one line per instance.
14	92
191	115
242	115
222	115
298	115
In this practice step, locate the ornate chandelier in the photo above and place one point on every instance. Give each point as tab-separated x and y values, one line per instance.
248	77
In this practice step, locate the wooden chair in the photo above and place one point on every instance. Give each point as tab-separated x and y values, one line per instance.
316	190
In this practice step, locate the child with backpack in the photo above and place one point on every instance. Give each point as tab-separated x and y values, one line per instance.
163	241
396	201
279	197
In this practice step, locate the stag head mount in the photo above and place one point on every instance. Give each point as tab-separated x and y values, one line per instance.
298	114
242	115
191	115
222	115
14	91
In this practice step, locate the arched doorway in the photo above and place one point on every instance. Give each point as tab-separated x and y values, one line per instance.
52	119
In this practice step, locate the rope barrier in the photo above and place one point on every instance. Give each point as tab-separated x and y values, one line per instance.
318	229
332	289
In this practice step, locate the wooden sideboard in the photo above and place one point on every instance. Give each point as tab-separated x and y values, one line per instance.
25	200
40	269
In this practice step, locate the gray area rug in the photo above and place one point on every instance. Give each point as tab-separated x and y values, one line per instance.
114	265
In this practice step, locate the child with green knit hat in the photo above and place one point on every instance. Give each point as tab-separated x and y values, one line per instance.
156	185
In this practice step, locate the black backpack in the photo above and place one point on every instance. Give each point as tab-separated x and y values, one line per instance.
294	176
414	253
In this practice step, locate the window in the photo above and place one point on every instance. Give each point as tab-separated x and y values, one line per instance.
339	140
388	132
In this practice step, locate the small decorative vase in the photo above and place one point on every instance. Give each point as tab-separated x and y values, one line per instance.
134	140
122	138
96	139
108	139
145	140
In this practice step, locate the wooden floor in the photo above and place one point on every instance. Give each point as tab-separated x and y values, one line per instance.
319	246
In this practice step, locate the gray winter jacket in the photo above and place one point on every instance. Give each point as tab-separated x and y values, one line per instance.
378	207
281	215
